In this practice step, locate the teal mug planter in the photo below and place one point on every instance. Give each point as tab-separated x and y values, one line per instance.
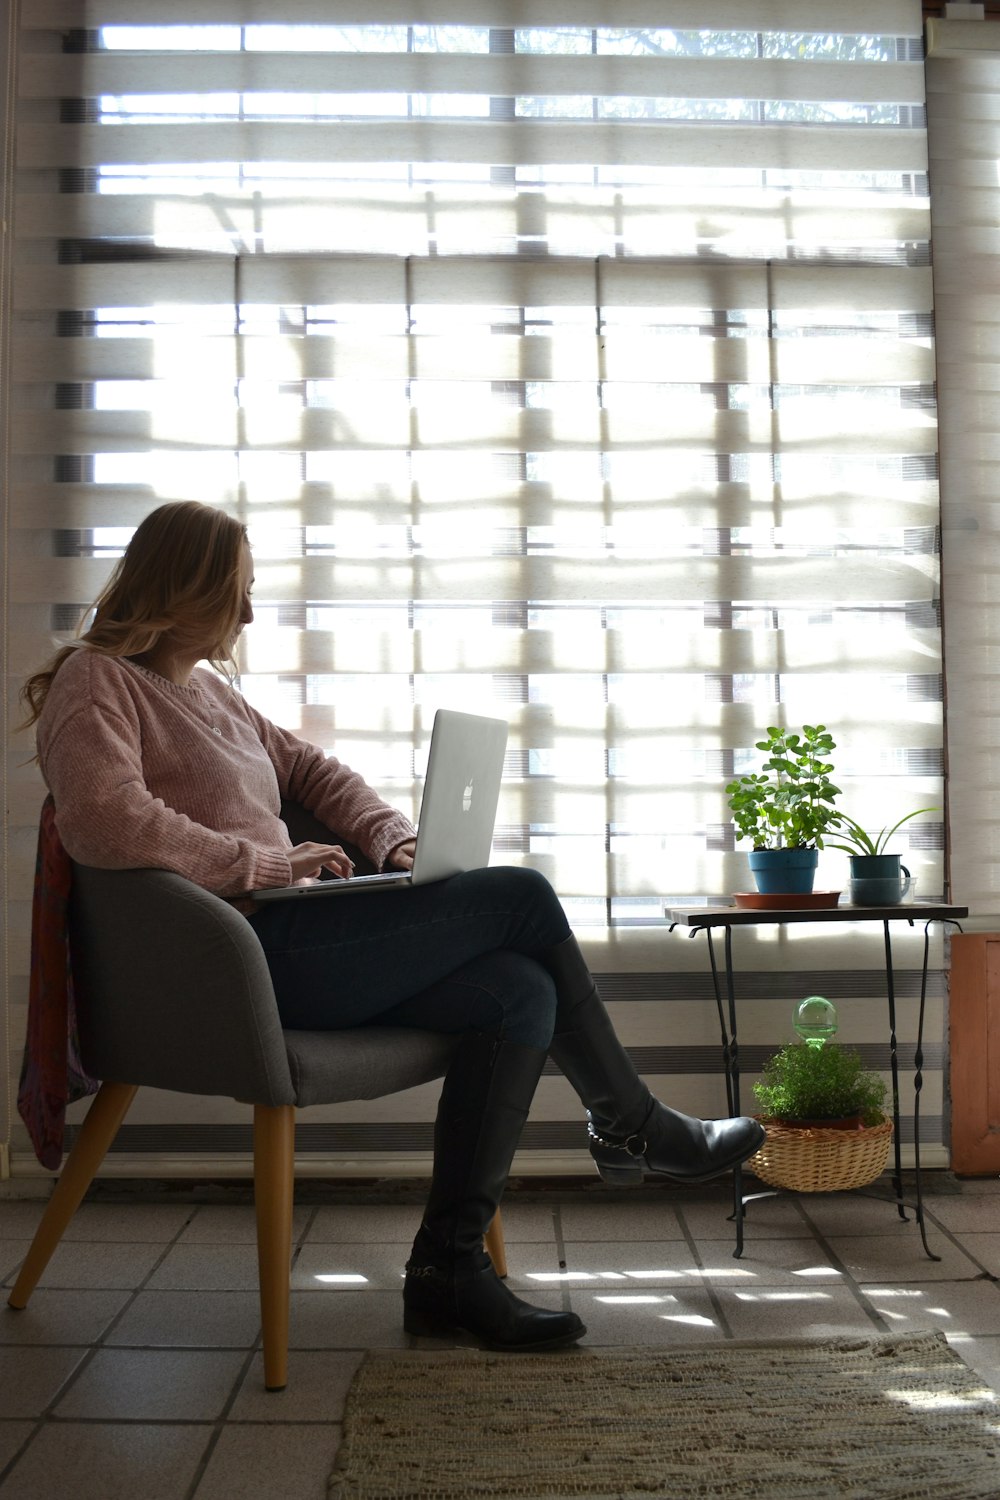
784	872
878	880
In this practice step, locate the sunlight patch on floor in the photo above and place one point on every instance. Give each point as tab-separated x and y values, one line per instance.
943	1400
783	1296
729	1272
887	1291
636	1300
560	1276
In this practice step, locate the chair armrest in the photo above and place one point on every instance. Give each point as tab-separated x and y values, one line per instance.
173	989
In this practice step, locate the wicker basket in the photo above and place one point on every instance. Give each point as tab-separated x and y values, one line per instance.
821	1161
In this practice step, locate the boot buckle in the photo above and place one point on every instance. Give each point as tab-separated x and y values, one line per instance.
633	1145
419	1273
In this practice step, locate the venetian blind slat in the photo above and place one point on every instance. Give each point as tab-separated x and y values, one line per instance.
570	356
575	142
894	17
777	578
42	507
455	216
484	281
500	74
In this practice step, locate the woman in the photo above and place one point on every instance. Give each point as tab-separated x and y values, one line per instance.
154	763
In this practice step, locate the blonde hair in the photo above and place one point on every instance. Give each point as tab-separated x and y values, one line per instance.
179	576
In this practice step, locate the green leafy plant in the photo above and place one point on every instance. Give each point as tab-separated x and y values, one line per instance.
819	1083
857	841
791	806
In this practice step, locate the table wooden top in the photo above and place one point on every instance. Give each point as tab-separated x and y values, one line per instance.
739	916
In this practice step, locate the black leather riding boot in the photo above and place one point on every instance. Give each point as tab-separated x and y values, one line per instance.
450	1281
630	1132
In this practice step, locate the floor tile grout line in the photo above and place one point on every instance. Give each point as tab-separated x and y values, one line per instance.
560	1245
946	1233
100	1341
220	1424
48	1415
152	1348
39	1424
117	1421
872	1313
716	1301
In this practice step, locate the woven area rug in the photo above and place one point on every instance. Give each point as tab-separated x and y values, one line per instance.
893	1418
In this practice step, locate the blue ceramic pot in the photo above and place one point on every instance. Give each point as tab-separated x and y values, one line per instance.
784	872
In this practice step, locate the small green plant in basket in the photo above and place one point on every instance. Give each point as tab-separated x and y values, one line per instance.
803	1082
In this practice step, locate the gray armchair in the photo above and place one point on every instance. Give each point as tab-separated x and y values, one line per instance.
176	994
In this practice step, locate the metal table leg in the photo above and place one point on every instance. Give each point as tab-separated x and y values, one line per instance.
730	1059
918	1078
890	985
918	1083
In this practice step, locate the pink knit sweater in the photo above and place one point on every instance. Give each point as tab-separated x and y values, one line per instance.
146	774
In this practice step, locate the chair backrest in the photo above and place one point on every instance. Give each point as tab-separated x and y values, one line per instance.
173	988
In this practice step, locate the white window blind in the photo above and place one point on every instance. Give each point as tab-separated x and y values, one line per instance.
570	362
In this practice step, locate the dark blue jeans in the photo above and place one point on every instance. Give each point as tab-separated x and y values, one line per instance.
454	956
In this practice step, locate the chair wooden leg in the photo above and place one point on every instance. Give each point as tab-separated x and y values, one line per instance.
274	1184
495	1248
99	1128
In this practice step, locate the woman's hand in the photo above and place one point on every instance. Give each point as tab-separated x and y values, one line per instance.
307	860
401	857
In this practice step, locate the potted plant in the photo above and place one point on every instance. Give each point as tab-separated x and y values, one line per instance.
824	1117
810	1086
877	878
787	807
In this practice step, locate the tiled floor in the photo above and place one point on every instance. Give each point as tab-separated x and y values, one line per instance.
136	1371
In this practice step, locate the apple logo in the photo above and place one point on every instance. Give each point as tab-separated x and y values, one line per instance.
467	797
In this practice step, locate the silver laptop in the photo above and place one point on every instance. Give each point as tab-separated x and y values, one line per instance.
457	811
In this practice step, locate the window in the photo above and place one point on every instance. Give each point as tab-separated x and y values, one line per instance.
575	372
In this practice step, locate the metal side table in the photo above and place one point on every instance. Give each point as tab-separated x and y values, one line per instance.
708	918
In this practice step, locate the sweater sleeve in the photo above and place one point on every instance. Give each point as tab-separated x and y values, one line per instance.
338	796
107	817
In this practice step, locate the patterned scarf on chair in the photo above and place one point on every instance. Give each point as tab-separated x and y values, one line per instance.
52	1075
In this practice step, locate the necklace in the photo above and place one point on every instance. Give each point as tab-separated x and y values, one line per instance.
138	661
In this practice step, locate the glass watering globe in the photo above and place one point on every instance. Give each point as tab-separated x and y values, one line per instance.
816	1020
